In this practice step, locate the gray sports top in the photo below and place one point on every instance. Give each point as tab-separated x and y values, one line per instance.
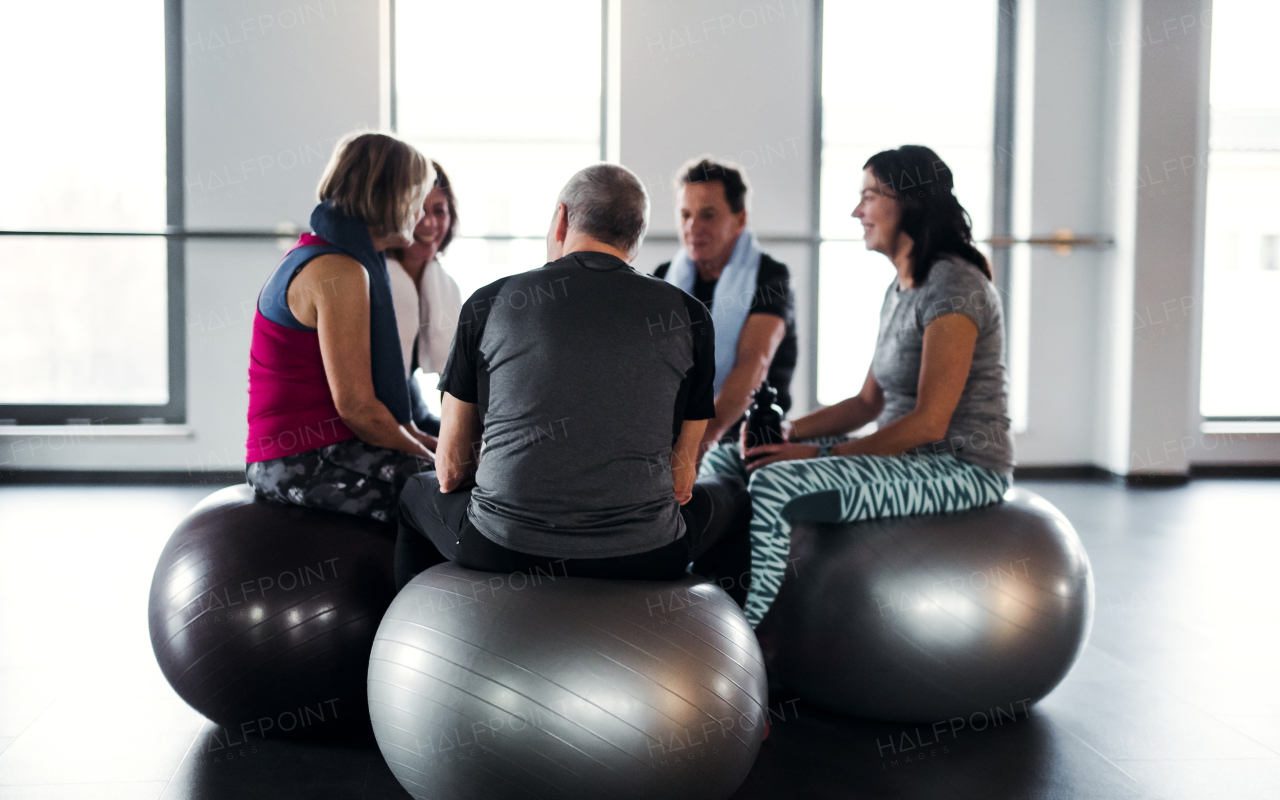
979	431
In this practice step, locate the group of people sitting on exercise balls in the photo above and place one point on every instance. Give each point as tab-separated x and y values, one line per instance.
591	414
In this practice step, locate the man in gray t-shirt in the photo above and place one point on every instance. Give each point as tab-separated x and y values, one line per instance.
582	374
979	427
582	389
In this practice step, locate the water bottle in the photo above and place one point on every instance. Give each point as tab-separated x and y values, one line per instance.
764	418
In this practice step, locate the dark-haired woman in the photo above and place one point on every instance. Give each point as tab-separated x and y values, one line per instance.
426	298
936	387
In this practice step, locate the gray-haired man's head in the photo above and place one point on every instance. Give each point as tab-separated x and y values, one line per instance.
608	203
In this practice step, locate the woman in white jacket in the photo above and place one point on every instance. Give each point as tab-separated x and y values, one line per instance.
426	298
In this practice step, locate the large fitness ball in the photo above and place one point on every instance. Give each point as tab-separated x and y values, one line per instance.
485	685
928	618
262	615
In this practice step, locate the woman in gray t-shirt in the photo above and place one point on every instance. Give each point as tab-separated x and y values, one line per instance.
936	388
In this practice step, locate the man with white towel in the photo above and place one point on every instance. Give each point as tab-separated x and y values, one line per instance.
747	292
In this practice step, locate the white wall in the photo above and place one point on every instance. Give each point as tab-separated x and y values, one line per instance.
1120	92
1166	256
1156	94
1171	48
1117	127
1065	140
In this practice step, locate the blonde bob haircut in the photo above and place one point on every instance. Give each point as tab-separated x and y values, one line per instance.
377	179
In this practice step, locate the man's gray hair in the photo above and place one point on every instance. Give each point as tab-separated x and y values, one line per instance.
608	203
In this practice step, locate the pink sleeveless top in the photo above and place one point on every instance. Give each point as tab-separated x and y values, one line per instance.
290	406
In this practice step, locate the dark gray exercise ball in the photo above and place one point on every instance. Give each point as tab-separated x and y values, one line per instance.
486	685
929	618
262	615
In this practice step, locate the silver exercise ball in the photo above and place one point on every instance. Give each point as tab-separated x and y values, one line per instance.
928	618
486	685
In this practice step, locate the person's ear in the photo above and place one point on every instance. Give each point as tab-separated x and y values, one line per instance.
562	223
742	220
557	232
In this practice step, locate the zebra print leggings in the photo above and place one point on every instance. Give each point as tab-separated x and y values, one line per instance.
843	489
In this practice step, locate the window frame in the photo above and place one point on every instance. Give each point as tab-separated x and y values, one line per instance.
394	104
1002	178
1229	425
173	412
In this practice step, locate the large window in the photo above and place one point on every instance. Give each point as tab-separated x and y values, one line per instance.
1240	340
505	95
508	131
84	320
893	74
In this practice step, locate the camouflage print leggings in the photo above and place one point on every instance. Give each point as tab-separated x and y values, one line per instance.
351	477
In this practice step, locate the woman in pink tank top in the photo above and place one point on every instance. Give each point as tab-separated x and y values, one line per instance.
330	424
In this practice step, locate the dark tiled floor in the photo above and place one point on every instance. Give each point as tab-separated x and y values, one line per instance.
1176	696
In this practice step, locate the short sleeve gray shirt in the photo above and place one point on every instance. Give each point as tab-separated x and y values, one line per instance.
979	431
582	373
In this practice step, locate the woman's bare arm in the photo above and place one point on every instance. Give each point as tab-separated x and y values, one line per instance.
331	294
843	417
944	369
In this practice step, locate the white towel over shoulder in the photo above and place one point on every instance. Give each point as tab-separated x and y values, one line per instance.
428	312
440	304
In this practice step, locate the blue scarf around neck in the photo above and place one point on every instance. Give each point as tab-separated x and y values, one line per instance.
351	236
731	303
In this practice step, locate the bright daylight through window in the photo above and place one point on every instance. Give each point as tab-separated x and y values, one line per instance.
1240	338
509	132
507	137
83	320
891	76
